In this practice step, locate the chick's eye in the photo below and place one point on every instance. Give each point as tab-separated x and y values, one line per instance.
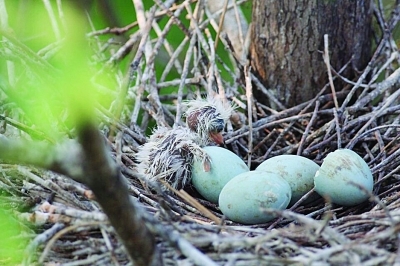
217	125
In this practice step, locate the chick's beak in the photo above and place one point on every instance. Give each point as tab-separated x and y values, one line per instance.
217	137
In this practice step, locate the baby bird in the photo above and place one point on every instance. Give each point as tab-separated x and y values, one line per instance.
169	154
208	119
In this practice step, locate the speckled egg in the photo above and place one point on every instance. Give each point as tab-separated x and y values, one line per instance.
298	171
339	170
225	165
244	197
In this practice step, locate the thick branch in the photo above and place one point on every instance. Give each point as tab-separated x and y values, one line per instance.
103	177
91	164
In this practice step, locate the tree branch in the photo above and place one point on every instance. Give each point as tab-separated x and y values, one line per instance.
91	164
103	177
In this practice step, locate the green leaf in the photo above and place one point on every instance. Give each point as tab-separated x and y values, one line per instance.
11	243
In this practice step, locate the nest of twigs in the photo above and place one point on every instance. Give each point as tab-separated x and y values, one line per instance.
73	230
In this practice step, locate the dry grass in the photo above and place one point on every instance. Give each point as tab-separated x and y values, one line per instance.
73	230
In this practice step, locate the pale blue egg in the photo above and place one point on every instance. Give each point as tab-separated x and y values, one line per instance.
245	198
225	165
337	175
298	171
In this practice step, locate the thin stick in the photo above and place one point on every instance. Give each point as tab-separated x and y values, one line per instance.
264	90
185	72
179	23
249	95
168	47
119	102
194	203
376	114
174	58
307	130
221	22
52	187
210	74
329	70
381	87
378	50
62	232
41	238
328	67
239	23
337	127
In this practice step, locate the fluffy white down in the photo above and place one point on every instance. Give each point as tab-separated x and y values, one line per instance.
207	118
223	108
169	155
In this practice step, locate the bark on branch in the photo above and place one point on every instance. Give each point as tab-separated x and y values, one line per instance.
91	163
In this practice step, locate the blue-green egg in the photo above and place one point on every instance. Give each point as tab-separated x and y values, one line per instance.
245	198
298	171
225	165
340	177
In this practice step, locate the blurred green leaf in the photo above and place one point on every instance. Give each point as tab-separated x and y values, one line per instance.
11	243
57	93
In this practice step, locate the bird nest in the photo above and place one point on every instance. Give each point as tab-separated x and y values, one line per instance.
71	229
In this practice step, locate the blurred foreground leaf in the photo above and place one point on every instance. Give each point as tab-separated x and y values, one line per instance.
12	244
55	90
